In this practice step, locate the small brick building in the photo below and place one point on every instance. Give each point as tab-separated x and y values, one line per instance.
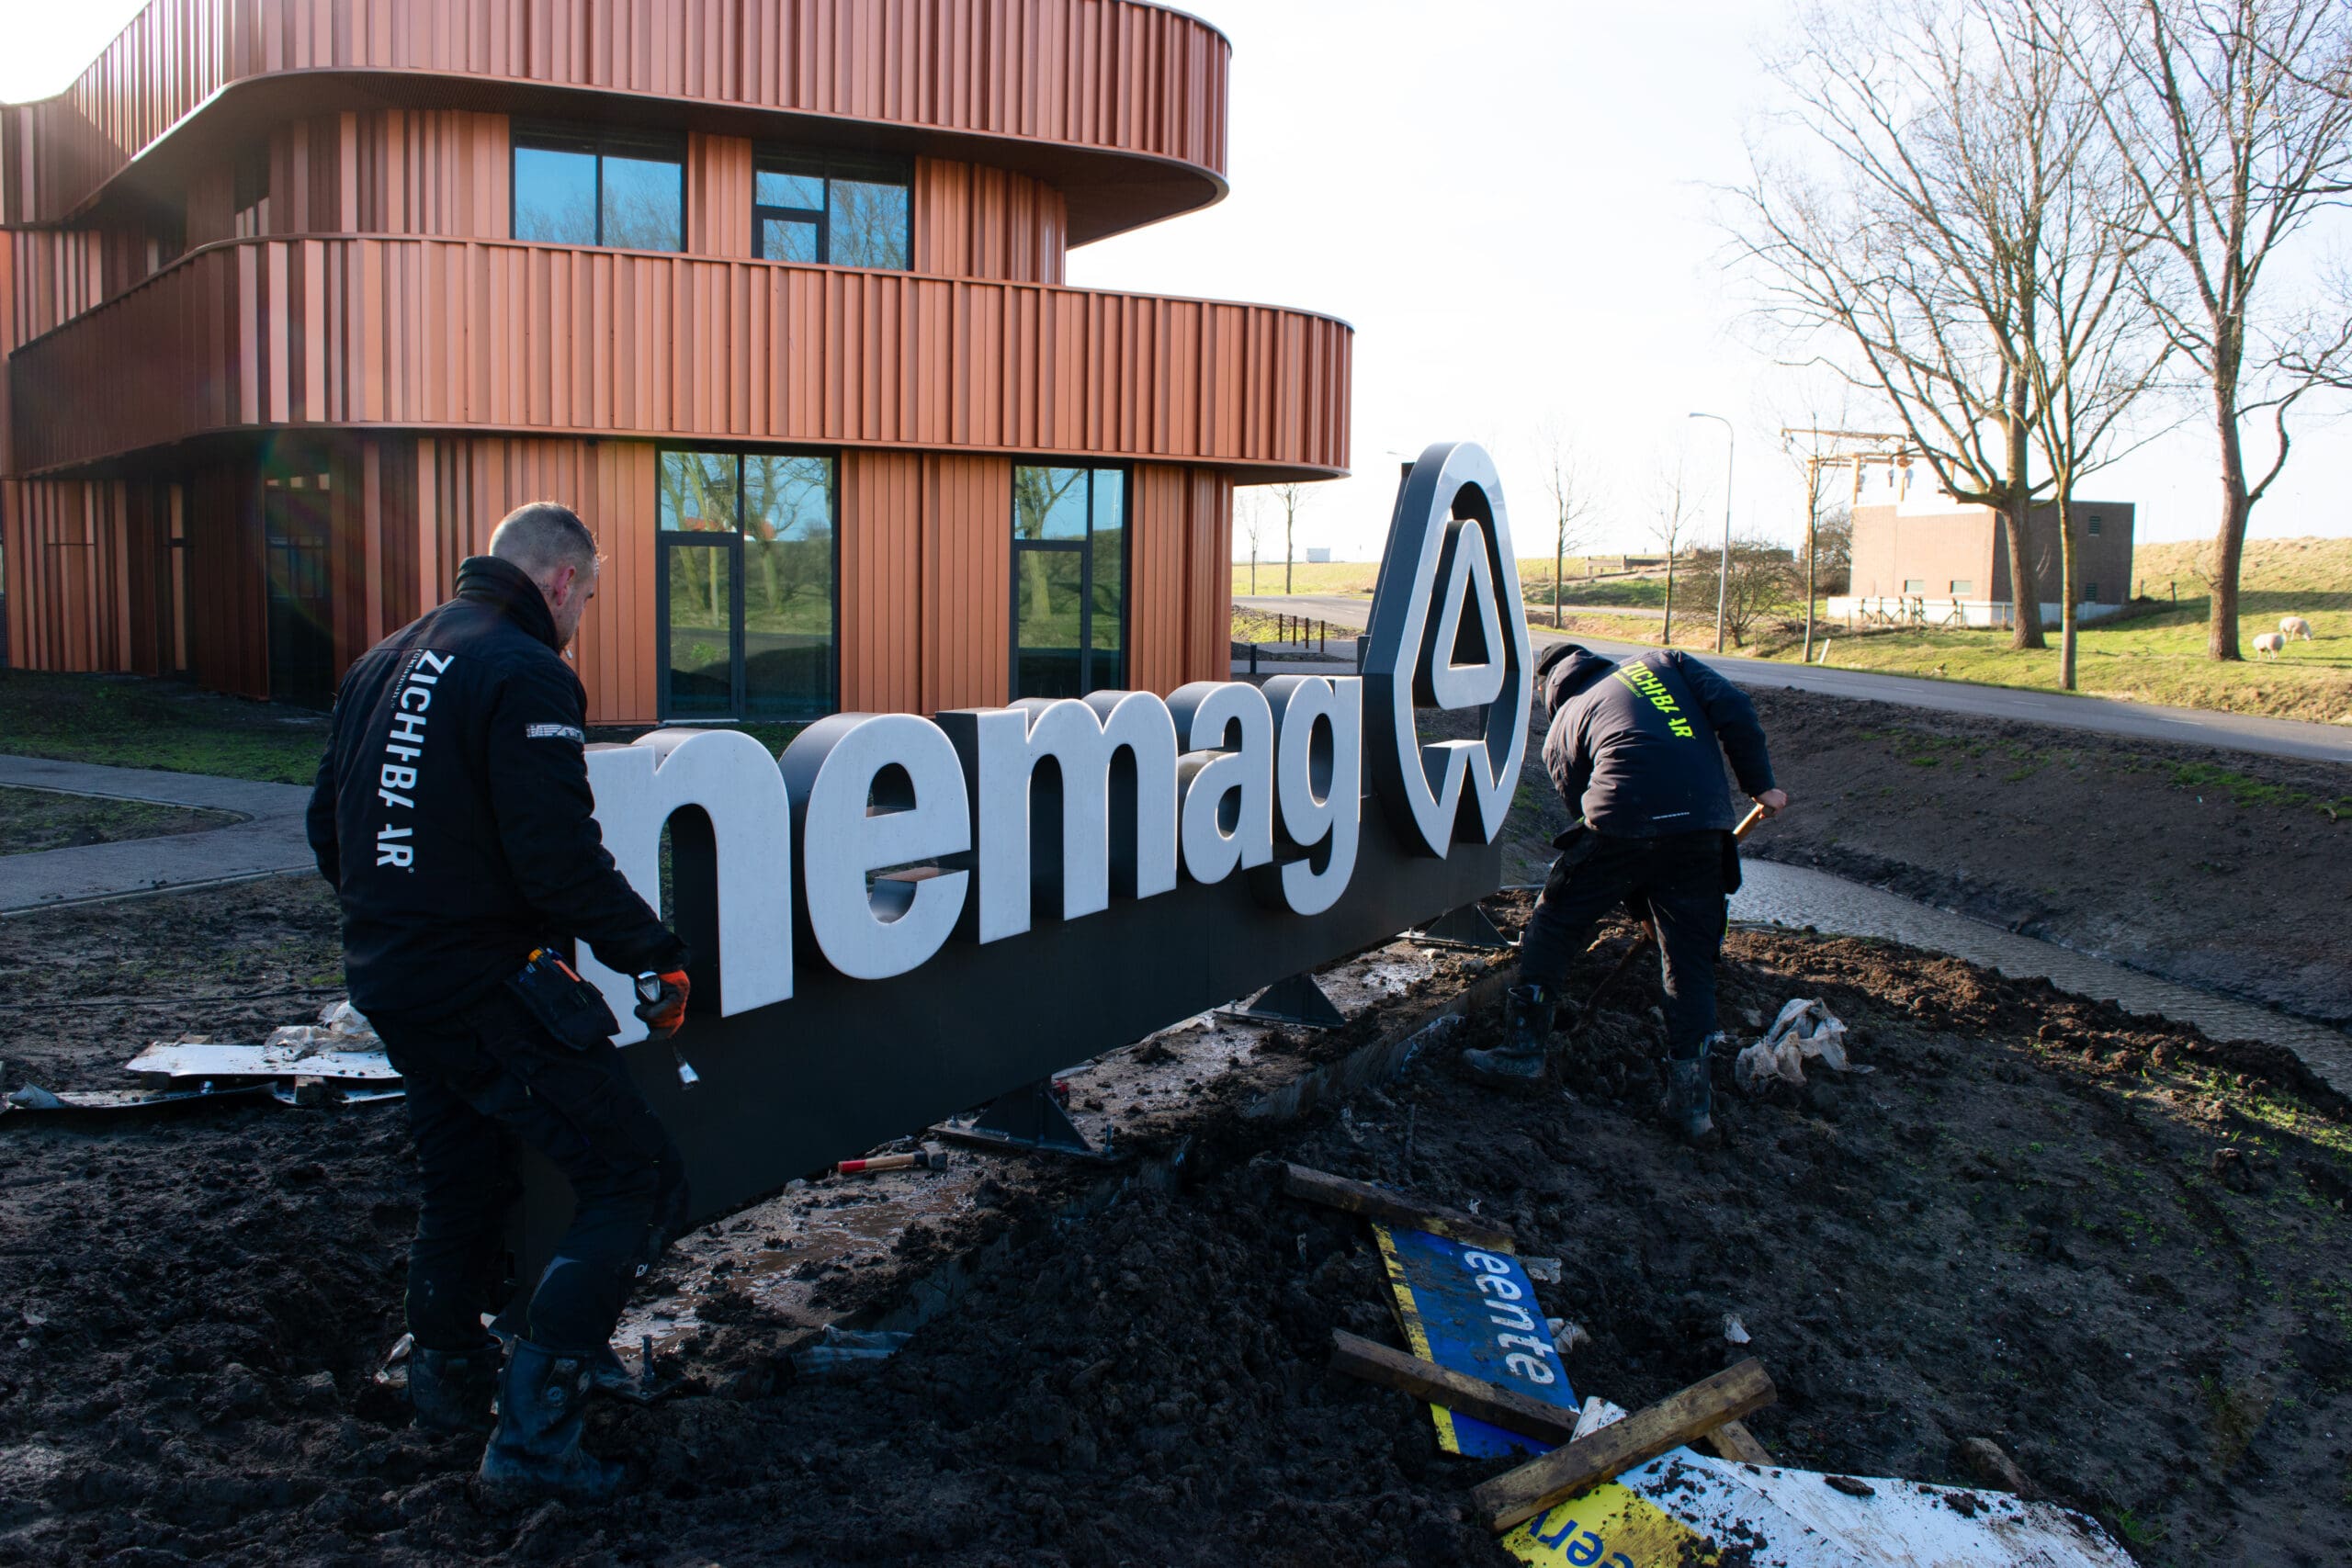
1935	559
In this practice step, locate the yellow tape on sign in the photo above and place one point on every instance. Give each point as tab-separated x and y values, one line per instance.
1610	1528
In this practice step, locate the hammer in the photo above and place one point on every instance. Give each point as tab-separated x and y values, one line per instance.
930	1157
1648	939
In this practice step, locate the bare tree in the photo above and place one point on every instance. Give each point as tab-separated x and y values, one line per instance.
2099	349
1290	496
1674	514
2233	129
1909	263
1576	497
1252	507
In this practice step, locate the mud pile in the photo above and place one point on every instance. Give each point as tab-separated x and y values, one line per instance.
2108	1245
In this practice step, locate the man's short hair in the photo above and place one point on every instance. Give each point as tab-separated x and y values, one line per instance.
542	537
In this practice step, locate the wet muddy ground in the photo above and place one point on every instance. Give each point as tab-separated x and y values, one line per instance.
2116	1250
2222	870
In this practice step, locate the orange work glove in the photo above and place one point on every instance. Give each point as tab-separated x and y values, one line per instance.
662	1001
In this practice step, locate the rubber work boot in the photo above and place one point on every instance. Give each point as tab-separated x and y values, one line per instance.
1688	1099
536	1447
451	1393
1518	1062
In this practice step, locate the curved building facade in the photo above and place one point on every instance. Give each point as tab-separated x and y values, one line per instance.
303	295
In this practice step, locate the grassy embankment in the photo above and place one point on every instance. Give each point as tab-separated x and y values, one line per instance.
2155	652
1355	579
34	819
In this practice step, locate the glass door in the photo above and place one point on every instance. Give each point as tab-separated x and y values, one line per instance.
301	605
1069	580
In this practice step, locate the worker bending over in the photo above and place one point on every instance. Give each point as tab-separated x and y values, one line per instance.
1636	747
452	815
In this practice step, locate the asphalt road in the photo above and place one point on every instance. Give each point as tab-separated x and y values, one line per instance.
2145	721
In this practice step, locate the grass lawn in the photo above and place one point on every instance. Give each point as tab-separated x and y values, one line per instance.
34	819
1535	583
2155	653
128	722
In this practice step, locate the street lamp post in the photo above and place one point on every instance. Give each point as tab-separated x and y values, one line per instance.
1723	570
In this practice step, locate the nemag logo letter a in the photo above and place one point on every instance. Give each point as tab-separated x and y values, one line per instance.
877	837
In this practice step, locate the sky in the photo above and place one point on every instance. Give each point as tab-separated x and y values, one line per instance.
1513	202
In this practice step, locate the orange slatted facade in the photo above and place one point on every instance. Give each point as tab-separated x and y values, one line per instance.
262	297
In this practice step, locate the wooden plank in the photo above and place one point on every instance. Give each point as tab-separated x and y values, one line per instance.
1378	1204
1734	1441
1458	1392
1517	1495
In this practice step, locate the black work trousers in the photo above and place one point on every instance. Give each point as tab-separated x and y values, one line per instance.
480	1081
1678	879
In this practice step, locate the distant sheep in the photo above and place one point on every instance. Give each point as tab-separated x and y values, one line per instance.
2271	643
2293	627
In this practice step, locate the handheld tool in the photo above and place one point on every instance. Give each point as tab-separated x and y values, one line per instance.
930	1157
660	1002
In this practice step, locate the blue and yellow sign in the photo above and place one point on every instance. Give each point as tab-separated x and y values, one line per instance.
1474	1312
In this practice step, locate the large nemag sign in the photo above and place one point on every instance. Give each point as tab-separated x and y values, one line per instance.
903	917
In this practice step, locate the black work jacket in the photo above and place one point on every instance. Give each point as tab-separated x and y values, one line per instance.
452	812
1636	747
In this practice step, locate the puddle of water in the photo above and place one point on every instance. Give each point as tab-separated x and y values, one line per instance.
1796	896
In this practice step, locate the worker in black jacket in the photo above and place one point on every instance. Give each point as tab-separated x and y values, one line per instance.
452	815
1637	750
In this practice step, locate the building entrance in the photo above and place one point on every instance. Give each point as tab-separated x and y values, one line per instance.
302	610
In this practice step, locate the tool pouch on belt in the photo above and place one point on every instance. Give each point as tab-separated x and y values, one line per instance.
572	1009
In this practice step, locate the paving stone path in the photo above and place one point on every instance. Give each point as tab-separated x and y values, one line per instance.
268	841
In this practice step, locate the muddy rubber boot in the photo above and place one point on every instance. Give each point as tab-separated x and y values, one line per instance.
1688	1099
450	1392
536	1447
1518	1062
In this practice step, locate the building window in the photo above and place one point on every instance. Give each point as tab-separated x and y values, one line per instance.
2096	524
1961	587
2090	592
1915	585
249	195
747	586
830	208
624	190
1070	560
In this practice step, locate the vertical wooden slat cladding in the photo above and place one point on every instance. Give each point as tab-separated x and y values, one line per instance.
227	620
1180	581
966	582
975	221
1110	74
881	564
462	486
530	339
926	580
718	195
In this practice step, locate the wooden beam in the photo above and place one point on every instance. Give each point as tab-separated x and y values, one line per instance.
1517	1495
1458	1392
1379	1204
1734	1441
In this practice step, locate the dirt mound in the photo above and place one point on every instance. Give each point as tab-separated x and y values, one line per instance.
2107	1247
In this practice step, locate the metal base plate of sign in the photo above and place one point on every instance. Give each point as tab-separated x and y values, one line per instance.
1028	1120
1298	1000
1466	927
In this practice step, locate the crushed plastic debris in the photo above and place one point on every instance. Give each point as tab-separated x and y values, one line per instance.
1804	1031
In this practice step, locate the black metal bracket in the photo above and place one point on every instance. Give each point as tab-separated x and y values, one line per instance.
1029	1119
1466	927
1298	1000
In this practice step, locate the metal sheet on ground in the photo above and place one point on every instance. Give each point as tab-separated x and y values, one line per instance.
173	1060
1473	1310
1686	1509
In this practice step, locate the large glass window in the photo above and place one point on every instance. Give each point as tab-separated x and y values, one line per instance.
747	585
833	208
600	188
1070	557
